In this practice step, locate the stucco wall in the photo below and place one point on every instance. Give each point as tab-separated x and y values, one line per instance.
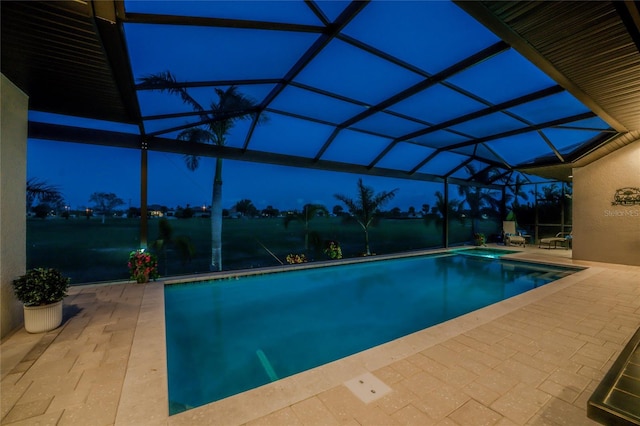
604	232
13	178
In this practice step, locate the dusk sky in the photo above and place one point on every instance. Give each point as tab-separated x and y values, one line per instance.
80	170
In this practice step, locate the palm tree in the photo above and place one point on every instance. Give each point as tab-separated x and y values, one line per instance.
230	107
478	198
517	191
442	210
365	208
182	244
309	211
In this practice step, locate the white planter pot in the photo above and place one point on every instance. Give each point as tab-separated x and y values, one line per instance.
38	319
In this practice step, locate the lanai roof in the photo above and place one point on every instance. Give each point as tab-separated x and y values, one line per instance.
416	89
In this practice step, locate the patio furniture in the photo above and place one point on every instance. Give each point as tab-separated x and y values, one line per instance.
561	238
511	236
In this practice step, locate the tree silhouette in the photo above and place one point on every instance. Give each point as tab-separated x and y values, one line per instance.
478	198
516	192
181	244
246	207
365	207
105	202
442	210
309	211
270	211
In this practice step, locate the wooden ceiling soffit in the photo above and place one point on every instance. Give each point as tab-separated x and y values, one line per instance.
54	53
108	22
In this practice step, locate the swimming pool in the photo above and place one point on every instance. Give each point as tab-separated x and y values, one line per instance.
228	336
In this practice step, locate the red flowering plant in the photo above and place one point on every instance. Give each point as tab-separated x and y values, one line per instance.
296	258
143	266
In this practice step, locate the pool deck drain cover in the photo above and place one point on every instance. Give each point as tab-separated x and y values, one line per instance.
367	387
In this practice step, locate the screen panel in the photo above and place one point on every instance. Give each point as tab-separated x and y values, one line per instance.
489	125
287	135
441	139
346	70
442	164
503	77
307	103
550	108
520	148
185	51
403	28
437	104
388	125
404	156
355	147
567	140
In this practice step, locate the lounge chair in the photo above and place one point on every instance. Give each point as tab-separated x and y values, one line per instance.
511	236
561	237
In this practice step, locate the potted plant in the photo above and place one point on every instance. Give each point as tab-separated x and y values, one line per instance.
41	290
479	239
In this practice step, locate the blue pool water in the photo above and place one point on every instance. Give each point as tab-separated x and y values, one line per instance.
228	336
493	253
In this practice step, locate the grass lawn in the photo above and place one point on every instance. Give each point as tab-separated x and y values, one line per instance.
90	251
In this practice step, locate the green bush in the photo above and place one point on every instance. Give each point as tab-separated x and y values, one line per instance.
41	286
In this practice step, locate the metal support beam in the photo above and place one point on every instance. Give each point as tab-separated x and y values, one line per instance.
54	132
201	21
445	222
484	112
144	220
522	130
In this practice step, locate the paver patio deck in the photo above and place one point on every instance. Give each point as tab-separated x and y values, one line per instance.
530	360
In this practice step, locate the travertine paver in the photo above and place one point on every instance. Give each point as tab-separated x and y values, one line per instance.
313	411
78	371
532	360
475	414
286	416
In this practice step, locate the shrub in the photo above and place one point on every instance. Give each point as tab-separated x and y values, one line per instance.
41	286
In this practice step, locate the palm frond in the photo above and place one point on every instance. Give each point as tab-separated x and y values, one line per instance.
166	82
192	161
41	190
194	135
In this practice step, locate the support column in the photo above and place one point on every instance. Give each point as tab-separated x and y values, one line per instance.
445	224
14	116
144	219
536	221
